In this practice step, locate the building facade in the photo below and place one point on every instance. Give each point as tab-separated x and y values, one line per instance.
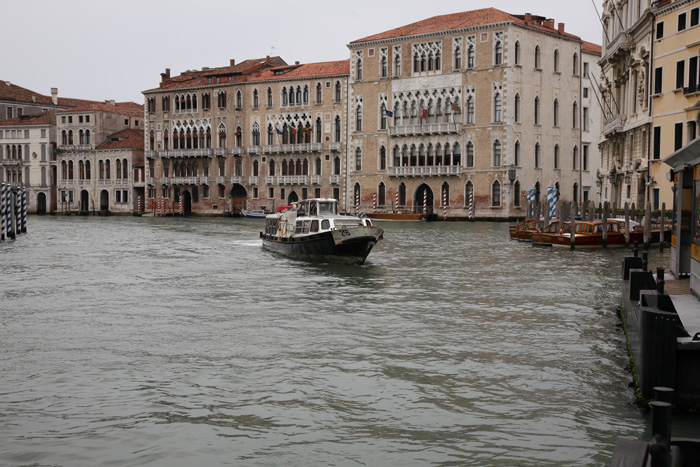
254	135
591	124
463	114
626	166
27	147
675	100
98	145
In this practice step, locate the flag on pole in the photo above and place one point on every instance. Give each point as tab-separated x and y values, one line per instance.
292	130
424	114
456	108
279	132
388	113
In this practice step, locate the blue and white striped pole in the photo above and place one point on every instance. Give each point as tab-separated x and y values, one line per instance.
555	201
3	230
530	195
550	201
10	210
24	210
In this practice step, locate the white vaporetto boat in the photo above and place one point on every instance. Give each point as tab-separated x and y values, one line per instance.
314	230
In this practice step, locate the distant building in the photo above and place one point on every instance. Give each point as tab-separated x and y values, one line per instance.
256	135
98	144
591	123
480	105
27	147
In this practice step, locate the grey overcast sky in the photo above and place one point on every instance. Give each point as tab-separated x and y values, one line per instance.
98	50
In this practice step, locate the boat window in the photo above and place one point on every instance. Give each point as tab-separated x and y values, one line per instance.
598	228
307	225
327	208
325	224
299	227
347	222
613	228
314	226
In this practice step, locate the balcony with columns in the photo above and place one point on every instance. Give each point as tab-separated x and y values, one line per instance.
201	152
426	129
425	171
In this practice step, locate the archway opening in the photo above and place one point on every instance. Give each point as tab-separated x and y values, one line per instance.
423	201
84	201
238	196
293	197
41	203
104	200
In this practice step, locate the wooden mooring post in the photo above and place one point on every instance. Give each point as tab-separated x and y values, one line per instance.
647	225
627	225
574	212
606	206
662	226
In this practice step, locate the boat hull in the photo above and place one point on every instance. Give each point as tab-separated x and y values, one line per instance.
388	216
345	246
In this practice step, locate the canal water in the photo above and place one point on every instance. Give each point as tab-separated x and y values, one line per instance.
180	342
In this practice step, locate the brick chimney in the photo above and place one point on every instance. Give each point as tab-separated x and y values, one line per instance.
165	77
560	26
232	62
54	96
549	23
528	18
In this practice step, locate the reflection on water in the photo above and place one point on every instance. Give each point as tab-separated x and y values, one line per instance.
182	342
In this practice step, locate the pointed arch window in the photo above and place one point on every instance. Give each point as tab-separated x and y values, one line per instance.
256	102
269	97
497	159
516	112
537	156
239	100
556	112
338	93
556	60
496	194
381	195
516	194
497	108
318	130
575	64
575	114
336	132
358	159
556	156
358	118
319	93
537	110
471	110
383	67
358	69
516	154
382	158
517	52
471	55
538	58
470	154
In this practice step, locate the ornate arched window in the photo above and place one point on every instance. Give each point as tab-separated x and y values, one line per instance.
496	194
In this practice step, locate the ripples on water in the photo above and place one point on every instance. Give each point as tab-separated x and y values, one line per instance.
181	342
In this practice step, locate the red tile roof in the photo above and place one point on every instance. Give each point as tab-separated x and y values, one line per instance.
308	70
126	139
457	21
238	72
12	92
592	48
44	118
123	108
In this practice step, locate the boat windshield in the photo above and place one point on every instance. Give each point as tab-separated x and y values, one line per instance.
347	222
326	207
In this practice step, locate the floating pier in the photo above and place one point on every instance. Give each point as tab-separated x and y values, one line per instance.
13	211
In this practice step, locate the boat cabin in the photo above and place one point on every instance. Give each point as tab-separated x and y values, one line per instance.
596	227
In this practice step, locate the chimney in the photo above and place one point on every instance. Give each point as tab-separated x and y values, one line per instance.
54	96
164	77
528	18
561	28
297	62
549	23
232	62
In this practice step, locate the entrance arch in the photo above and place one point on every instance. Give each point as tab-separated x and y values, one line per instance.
293	197
41	203
238	196
186	202
104	200
84	201
424	195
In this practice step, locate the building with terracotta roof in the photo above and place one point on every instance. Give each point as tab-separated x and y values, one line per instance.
462	114
254	135
98	144
27	145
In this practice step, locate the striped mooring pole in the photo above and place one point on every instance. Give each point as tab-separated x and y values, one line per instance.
374	201
444	204
397	201
425	203
181	208
357	203
138	205
471	204
24	210
3	229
